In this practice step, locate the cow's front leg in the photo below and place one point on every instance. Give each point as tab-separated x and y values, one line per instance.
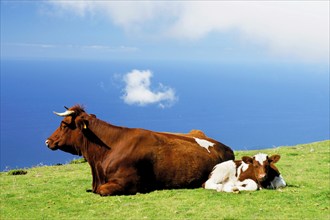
123	182
109	189
229	186
117	187
247	185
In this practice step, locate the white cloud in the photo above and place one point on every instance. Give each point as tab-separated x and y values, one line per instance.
94	47
32	45
298	28
126	14
137	90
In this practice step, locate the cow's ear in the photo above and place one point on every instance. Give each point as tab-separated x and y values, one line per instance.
85	124
274	158
247	159
82	123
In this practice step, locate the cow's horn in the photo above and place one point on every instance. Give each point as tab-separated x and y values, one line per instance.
66	113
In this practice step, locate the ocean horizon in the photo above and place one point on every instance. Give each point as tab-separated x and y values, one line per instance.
243	105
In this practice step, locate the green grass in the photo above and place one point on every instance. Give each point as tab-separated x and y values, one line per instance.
59	192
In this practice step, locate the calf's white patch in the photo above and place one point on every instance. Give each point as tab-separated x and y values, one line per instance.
260	157
204	143
242	168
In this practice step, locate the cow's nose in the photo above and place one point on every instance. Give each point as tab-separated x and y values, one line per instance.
262	176
47	142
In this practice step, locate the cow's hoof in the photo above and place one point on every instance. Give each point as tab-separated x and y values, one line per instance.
235	190
220	188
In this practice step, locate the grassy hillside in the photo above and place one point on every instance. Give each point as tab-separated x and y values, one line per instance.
59	192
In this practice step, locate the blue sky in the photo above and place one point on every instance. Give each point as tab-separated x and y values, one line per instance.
296	31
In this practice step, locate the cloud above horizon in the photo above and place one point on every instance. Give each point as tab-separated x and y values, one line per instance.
287	28
138	90
78	47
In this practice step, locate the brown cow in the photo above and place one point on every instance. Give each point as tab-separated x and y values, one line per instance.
247	174
130	160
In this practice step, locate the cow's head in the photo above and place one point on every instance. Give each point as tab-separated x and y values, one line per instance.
68	136
261	164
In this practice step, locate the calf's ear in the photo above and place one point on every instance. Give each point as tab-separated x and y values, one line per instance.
274	158
247	159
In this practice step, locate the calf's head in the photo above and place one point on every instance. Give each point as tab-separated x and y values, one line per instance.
262	164
68	136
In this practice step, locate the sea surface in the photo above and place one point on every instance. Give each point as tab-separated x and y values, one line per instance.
243	105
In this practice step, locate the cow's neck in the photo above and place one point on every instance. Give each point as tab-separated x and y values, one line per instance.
102	134
94	150
97	146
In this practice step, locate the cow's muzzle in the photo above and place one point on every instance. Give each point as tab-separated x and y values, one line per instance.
49	145
262	177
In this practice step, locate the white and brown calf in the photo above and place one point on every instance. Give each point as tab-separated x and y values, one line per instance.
250	173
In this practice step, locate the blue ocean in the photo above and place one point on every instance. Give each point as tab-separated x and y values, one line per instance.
243	105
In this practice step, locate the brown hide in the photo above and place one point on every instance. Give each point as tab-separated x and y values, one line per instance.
130	160
247	174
